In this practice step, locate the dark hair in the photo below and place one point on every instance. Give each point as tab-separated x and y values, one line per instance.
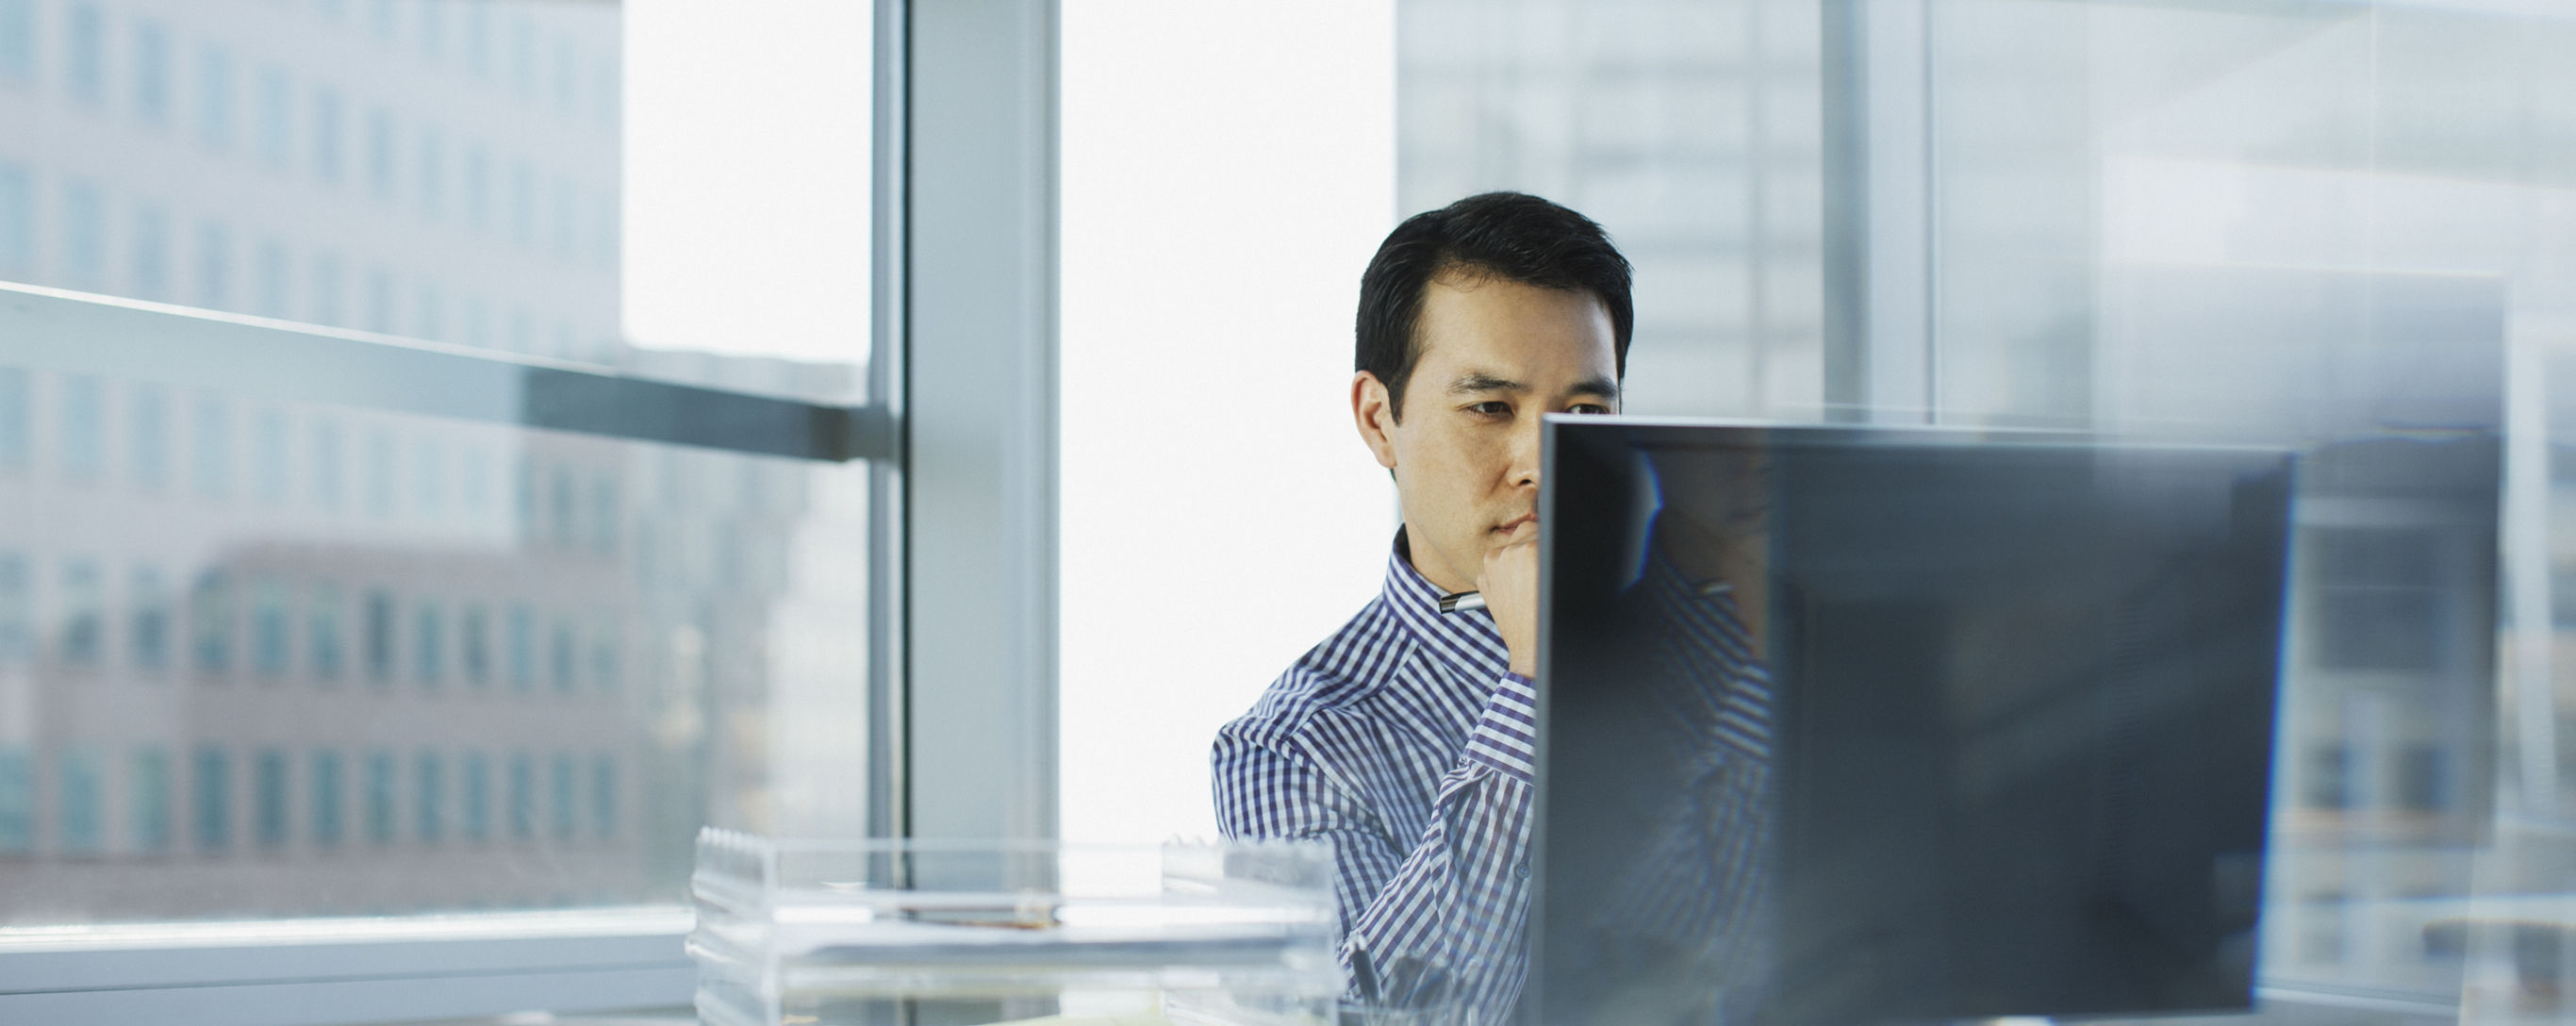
1508	235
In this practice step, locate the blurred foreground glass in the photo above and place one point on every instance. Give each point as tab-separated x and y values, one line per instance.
2340	227
855	933
268	657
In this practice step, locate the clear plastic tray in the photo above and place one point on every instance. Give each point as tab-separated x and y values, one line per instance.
835	932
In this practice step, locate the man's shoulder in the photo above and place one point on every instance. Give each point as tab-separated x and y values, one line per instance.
1335	678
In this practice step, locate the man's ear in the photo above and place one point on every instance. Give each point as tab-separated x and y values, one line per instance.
1375	417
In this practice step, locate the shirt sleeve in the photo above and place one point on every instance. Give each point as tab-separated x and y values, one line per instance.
1435	921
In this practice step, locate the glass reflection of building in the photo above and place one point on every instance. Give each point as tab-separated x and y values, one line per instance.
308	659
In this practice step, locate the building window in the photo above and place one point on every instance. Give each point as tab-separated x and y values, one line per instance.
17	426
429	474
380	797
603	796
476	821
150	622
151	792
523	204
268	457
84	642
566	201
433	32
603	516
17	42
523	797
523	498
429	316
84	445
324	627
85	53
276	147
84	235
269	297
478	188
268	628
2423	778
606	643
567	75
84	797
523	58
328	799
604	236
523	649
269	798
474	481
150	252
330	295
214	98
474	625
214	448
2379	603
327	464
148	442
2329	777
152	74
380	474
429	797
210	624
17	219
429	644
214	799
17	608
380	154
376	634
432	173
214	266
567	808
563	661
566	514
478	39
17	800
326	135
380	301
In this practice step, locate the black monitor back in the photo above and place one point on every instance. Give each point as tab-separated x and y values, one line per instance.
2016	696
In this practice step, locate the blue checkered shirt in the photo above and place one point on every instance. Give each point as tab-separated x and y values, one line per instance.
1404	739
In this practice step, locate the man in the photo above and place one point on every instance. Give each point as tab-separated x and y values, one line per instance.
1405	738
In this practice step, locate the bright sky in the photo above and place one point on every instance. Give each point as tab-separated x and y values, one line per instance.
747	200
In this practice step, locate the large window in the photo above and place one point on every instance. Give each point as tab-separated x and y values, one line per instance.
486	513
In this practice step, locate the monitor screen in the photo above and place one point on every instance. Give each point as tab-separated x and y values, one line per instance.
1851	725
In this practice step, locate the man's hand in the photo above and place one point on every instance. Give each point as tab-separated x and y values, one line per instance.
1510	585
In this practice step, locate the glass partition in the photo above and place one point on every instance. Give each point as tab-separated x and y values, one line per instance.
2339	226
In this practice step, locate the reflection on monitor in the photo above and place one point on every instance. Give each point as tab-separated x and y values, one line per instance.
1851	726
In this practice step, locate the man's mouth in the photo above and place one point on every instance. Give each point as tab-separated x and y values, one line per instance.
1515	523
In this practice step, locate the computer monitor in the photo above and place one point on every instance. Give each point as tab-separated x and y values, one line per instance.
1847	725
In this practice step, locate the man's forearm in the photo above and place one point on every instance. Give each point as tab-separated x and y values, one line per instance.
1449	926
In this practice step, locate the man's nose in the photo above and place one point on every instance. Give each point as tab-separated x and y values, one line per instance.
1526	445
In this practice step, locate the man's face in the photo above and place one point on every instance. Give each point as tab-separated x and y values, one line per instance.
1496	356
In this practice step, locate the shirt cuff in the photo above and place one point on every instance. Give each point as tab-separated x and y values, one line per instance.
1506	736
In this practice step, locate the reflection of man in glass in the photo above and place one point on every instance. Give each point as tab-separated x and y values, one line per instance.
1404	738
1659	877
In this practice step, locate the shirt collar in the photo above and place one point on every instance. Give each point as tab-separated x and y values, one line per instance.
1465	642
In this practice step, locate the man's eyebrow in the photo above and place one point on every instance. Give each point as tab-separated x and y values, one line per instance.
1603	387
1478	381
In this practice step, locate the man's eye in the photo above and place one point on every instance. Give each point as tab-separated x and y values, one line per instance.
1588	409
1494	407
